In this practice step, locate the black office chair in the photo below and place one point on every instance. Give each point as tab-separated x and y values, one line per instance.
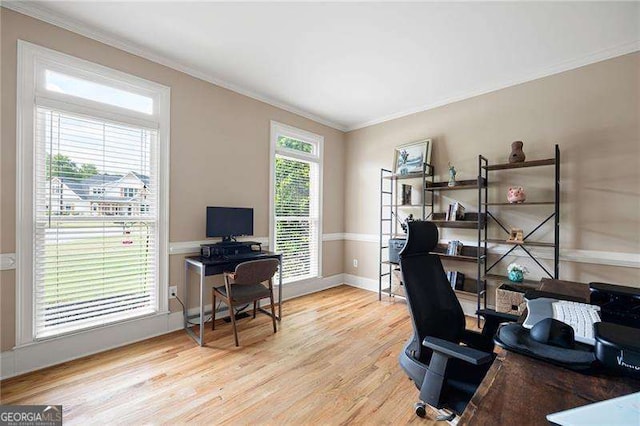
444	360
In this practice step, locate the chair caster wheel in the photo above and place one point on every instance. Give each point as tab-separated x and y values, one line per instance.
420	409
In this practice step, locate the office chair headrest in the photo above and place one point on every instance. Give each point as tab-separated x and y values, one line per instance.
422	237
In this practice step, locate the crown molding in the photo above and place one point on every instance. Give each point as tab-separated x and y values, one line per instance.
603	55
36	11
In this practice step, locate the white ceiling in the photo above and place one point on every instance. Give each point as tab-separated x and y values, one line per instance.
354	64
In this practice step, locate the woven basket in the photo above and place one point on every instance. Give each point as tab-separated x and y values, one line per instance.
510	299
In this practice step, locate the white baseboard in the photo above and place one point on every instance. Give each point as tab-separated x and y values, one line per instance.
469	305
39	355
369	284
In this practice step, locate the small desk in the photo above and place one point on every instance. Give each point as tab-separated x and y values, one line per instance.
207	266
521	390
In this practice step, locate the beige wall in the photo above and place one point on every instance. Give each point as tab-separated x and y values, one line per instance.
219	150
591	112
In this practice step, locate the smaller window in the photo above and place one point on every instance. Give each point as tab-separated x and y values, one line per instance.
97	191
128	192
296	145
68	85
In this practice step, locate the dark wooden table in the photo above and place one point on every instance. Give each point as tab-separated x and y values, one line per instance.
519	390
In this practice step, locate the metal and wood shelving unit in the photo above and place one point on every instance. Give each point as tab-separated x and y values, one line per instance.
390	220
488	210
390	224
473	286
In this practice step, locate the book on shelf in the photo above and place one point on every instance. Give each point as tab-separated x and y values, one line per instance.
456	280
455	212
454	248
458	212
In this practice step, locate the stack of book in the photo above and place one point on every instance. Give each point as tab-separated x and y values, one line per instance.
455	212
454	248
456	279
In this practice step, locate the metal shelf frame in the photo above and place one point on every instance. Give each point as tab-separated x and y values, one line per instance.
492	217
390	221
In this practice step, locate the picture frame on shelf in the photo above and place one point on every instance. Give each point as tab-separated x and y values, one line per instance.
406	195
409	158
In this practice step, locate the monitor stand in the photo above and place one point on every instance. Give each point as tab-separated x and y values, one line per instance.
228	243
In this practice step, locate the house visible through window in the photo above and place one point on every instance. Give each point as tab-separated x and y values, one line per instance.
98	258
296	232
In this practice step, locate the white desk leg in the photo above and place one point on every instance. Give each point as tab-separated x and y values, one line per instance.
187	326
202	299
186	295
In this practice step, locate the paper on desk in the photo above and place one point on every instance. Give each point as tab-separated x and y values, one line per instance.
621	411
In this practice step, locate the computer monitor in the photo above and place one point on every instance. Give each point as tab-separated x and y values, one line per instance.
229	222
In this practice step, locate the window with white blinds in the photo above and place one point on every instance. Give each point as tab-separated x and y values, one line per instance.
296	201
98	176
96	246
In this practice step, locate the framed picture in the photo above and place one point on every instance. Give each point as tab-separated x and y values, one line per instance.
410	157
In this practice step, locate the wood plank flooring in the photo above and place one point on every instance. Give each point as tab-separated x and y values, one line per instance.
334	360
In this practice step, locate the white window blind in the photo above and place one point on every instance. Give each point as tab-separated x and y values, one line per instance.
297	206
96	222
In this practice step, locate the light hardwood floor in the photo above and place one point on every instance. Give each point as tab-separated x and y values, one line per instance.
334	360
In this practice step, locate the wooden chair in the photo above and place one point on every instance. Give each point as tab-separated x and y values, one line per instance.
245	285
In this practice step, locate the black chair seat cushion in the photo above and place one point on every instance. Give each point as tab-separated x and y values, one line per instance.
462	380
241	293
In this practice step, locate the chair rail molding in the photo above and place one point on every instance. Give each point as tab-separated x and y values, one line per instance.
594	257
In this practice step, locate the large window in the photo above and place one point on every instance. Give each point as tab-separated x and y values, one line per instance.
296	200
93	195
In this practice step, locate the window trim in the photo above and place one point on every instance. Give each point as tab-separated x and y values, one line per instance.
31	59
279	129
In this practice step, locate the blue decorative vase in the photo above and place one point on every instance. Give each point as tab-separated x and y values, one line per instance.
516	276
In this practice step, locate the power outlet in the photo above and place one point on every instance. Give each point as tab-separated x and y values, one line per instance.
355	263
173	291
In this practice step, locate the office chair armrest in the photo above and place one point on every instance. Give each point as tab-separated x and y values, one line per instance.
454	350
491	315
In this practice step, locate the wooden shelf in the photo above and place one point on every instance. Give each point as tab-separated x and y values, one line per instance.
533	203
418	175
462	224
525	243
386	262
469	288
534	163
405	205
468	253
506	280
460	184
466	293
470	221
